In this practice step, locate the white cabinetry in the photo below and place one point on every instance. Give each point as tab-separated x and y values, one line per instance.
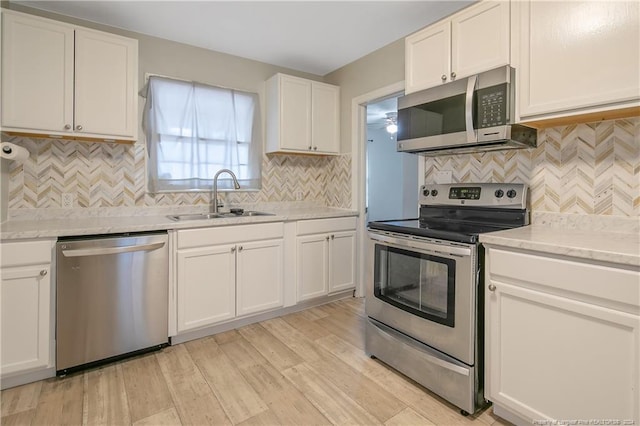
577	57
303	116
474	40
230	271
562	338
326	256
25	294
67	81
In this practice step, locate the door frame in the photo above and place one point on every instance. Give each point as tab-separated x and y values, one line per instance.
358	167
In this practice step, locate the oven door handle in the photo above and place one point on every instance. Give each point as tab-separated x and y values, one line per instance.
422	245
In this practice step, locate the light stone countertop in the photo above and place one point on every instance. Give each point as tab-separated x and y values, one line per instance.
152	220
599	245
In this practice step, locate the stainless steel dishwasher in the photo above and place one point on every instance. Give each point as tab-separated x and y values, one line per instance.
112	298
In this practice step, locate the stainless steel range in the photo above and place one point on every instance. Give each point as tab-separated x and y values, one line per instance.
424	297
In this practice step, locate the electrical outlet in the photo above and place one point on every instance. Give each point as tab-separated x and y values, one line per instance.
299	195
443	176
67	200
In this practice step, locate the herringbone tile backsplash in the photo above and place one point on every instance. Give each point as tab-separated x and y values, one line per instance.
112	175
584	168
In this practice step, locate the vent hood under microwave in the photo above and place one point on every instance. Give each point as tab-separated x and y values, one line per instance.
467	115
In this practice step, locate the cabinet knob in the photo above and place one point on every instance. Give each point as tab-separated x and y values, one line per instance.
78	127
315	148
327	238
444	77
453	75
492	287
67	126
333	236
240	248
310	148
233	248
43	272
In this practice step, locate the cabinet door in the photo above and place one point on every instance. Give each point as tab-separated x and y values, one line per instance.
206	286
480	38
342	261
537	342
106	84
325	121
312	266
260	274
25	302
37	75
577	55
295	113
428	57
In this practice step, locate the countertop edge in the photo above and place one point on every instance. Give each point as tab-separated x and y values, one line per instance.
34	229
511	239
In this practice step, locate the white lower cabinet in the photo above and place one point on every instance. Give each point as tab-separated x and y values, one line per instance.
206	286
259	276
226	272
326	256
562	338
26	299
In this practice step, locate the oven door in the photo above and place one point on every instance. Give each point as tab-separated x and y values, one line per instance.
425	289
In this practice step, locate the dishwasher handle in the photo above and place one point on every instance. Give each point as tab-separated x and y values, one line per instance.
111	250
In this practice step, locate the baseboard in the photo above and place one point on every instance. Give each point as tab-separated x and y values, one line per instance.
24	378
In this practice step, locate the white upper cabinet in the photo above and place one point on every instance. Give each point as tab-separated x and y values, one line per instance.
106	84
474	40
325	118
578	57
67	81
303	116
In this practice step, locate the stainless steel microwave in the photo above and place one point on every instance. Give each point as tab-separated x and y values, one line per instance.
467	115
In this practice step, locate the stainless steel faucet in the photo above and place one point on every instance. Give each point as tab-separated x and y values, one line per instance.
214	192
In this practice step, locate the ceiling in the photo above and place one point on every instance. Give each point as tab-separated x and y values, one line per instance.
317	37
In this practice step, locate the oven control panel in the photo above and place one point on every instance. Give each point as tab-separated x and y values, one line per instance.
508	195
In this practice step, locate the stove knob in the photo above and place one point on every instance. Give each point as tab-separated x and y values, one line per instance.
499	193
434	192
511	193
425	192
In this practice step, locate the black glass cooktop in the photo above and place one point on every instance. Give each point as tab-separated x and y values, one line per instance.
454	225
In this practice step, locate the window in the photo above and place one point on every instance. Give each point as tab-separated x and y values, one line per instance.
193	130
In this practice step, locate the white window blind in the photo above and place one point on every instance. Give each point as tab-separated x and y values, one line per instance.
193	130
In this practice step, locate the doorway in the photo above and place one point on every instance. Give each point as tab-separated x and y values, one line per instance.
391	188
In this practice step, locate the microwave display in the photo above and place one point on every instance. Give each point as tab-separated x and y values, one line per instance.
465	193
492	105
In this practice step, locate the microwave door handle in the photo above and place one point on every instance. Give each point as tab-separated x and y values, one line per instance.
472	134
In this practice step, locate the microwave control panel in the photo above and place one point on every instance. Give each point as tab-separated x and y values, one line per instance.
492	104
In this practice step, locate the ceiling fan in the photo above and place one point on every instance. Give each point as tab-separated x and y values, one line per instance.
392	122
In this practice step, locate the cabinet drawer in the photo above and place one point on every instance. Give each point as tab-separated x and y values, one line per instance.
200	237
21	253
595	280
319	226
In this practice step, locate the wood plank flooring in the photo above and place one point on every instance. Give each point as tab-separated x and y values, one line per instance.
306	368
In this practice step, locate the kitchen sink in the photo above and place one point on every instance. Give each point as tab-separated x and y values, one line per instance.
201	216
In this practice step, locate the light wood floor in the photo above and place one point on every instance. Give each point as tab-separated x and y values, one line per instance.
305	368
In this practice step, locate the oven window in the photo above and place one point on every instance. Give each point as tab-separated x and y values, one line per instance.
418	283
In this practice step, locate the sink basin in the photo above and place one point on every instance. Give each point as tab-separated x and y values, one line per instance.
196	216
201	216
